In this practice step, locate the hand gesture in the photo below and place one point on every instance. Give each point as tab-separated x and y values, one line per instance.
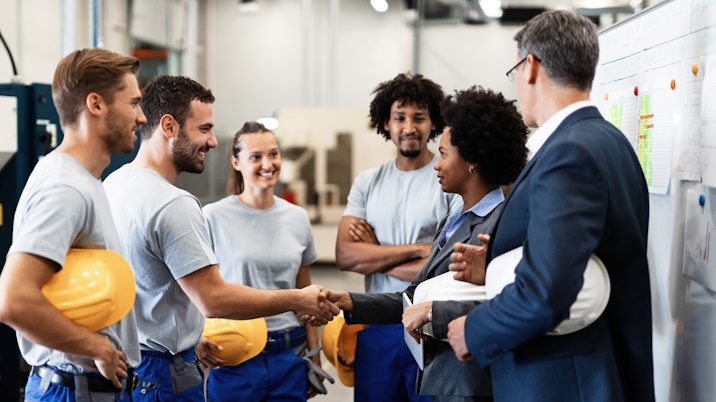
204	356
469	261
110	362
322	310
337	299
414	317
456	335
361	231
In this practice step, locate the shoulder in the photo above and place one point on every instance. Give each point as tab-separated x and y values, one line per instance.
291	210
586	128
217	206
61	183
374	173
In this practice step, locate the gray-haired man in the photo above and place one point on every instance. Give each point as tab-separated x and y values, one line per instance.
582	193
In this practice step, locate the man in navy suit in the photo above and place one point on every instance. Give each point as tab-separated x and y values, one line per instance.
582	193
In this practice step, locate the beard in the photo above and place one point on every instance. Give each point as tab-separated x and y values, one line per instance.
185	154
115	135
410	153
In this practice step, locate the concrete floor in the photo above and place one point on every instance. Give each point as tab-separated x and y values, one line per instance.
330	277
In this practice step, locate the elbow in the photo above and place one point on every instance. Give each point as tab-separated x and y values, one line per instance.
8	313
210	309
343	262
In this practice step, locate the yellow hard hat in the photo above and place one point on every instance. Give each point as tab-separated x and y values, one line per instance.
94	289
339	346
241	340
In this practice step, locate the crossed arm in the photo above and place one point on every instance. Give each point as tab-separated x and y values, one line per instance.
358	250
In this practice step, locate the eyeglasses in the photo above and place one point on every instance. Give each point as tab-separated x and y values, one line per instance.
512	74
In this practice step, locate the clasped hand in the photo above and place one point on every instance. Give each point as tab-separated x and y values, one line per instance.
319	310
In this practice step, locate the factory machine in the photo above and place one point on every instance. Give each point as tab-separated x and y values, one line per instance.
38	132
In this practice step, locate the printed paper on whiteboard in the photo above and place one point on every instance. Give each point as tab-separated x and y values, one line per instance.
700	239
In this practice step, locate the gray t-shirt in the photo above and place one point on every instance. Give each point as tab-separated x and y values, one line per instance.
163	239
403	207
261	248
63	206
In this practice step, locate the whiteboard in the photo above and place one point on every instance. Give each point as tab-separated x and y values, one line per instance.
649	80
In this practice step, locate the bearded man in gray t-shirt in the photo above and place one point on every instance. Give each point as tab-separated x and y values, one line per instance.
166	243
63	206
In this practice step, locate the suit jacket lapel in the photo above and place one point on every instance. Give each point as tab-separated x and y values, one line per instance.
461	235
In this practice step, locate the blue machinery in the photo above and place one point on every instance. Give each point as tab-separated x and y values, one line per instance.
38	128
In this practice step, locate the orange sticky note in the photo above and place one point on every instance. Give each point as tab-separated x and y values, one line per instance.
673	84
606	96
695	68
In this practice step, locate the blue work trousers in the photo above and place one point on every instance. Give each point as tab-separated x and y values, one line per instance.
268	377
163	377
385	370
58	393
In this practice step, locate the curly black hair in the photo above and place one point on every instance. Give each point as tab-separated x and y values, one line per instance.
406	88
166	94
487	130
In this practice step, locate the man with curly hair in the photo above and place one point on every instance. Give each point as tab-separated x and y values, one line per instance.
582	193
483	148
389	224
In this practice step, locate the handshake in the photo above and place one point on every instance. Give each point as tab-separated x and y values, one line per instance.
320	305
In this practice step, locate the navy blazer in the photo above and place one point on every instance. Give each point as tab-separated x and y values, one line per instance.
583	192
444	375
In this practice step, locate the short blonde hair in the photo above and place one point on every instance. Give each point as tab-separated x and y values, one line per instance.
83	72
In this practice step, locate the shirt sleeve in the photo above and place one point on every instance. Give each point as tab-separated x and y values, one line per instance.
310	255
183	241
357	197
209	231
52	220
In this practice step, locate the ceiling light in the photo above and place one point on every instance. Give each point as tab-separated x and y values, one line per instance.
271	123
380	6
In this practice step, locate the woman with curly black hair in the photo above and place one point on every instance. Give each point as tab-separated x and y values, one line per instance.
482	148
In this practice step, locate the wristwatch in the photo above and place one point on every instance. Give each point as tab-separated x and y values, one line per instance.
430	315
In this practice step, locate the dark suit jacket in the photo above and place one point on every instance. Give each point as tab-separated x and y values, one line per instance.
582	193
444	374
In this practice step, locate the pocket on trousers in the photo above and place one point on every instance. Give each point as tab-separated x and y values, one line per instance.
190	378
145	392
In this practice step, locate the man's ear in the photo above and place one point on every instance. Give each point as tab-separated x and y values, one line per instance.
169	125
95	104
532	69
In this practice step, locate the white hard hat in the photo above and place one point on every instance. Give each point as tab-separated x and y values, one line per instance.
590	303
445	287
591	300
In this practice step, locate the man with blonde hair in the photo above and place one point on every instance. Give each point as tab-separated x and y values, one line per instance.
63	206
